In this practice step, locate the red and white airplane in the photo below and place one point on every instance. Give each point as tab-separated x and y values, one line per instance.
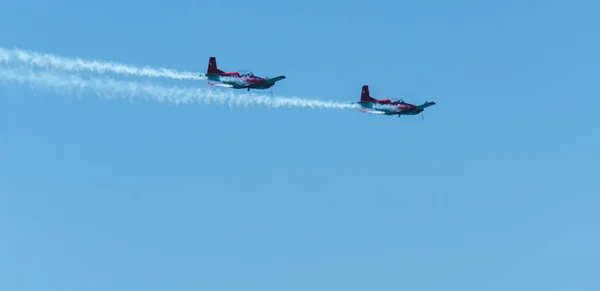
239	79
387	106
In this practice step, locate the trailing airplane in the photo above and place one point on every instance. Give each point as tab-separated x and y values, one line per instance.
388	107
239	79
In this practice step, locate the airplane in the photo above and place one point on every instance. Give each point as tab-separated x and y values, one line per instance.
237	80
387	106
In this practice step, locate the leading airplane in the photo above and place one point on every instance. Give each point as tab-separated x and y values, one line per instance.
237	80
388	107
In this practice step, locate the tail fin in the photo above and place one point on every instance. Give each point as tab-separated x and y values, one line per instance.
365	96
212	67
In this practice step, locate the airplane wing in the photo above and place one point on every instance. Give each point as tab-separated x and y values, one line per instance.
372	111
267	81
425	105
273	80
220	85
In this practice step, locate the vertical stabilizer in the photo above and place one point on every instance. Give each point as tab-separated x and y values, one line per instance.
212	67
365	96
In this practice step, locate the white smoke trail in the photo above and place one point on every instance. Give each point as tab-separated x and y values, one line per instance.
44	60
109	88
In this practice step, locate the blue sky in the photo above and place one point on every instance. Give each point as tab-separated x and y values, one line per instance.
496	189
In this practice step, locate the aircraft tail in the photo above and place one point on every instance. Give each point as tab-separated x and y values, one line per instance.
365	96
212	67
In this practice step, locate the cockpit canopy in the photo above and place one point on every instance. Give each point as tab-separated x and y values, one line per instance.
246	73
399	100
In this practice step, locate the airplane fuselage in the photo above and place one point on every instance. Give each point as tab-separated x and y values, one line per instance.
237	79
392	108
243	81
398	107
